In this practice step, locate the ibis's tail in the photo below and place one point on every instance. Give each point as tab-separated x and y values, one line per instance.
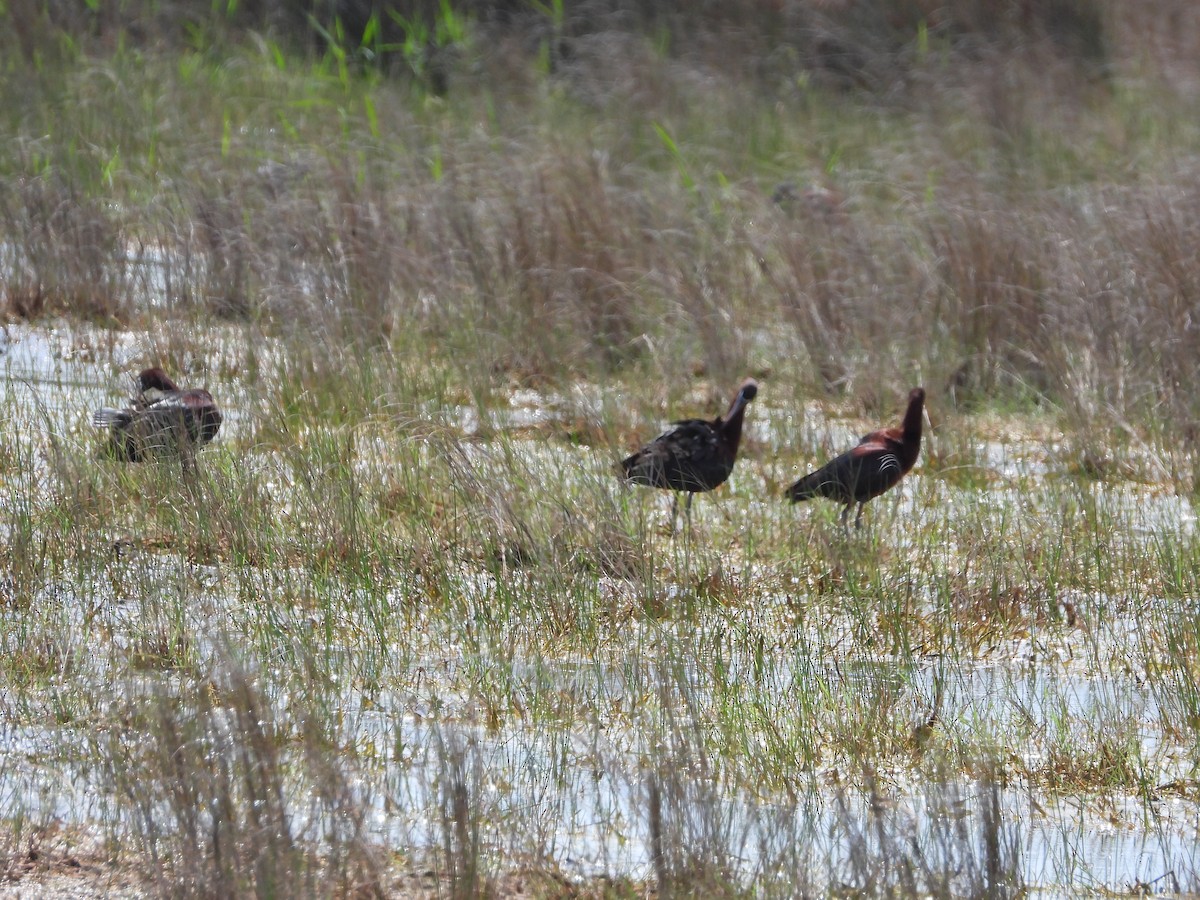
110	418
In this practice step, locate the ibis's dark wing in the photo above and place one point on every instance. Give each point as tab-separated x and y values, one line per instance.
856	476
688	457
194	409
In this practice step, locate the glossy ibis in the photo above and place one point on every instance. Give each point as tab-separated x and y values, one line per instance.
879	461
161	420
696	455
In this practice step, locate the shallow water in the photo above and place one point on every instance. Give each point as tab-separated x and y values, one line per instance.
571	787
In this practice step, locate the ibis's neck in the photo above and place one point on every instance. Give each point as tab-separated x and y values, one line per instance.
731	422
910	430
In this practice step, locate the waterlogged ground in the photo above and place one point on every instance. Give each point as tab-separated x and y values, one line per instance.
804	706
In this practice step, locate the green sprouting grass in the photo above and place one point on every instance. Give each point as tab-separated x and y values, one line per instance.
406	585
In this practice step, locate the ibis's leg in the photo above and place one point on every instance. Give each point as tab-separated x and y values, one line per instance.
186	448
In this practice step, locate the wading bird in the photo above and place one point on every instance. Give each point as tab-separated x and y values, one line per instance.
161	420
879	461
696	455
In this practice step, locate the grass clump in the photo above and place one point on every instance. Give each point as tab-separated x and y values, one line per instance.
207	773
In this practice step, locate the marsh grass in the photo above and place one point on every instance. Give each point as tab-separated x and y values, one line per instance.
405	619
215	815
965	854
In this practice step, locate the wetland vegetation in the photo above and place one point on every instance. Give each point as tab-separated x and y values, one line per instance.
406	633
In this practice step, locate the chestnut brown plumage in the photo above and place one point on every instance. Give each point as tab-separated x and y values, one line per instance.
696	455
878	463
161	420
